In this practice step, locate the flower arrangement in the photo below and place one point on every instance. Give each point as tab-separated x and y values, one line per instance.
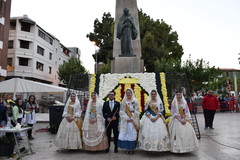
141	83
110	81
164	93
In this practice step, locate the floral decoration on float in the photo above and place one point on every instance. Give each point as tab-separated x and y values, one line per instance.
141	83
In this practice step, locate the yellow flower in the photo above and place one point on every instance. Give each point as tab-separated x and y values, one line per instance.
137	91
164	93
92	83
118	93
167	120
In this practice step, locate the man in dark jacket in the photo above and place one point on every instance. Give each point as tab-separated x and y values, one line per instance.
209	104
111	115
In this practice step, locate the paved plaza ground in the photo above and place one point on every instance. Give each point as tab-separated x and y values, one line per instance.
222	143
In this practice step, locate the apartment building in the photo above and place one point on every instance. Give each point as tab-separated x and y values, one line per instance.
33	53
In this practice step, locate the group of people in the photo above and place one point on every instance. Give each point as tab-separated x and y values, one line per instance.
227	102
13	112
151	133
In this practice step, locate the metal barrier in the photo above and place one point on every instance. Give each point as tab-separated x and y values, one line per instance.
227	106
196	107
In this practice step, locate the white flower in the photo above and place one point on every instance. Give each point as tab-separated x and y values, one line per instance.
109	81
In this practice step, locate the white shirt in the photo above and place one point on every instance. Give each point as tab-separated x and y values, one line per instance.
111	104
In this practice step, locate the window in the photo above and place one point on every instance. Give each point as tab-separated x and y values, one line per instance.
49	40
23	61
66	51
12	25
41	34
39	66
9	61
45	37
40	50
24	44
50	55
10	44
25	27
50	70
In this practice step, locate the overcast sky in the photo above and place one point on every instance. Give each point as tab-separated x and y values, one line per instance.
207	29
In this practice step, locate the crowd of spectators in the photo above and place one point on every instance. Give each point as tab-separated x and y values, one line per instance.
226	101
17	111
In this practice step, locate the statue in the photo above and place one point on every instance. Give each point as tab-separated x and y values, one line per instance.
126	31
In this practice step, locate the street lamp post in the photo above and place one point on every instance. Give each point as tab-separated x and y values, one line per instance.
96	64
236	90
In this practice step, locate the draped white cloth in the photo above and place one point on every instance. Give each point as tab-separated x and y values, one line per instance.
94	134
153	136
69	135
183	137
127	132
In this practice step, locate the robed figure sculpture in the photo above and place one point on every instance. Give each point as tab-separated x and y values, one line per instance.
126	31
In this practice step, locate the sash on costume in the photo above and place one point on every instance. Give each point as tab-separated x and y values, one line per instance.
129	113
183	115
155	110
93	110
78	121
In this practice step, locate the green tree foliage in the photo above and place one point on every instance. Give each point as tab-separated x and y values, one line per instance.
72	66
200	75
105	68
103	37
159	42
171	65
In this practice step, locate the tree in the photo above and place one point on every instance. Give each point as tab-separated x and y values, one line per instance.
158	40
171	65
105	68
103	37
200	75
72	66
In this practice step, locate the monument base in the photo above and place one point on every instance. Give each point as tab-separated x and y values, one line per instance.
127	65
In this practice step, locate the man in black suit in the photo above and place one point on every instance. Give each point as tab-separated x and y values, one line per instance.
111	115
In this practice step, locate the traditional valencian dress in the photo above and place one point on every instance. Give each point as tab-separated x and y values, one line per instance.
69	133
183	137
153	136
94	135
128	131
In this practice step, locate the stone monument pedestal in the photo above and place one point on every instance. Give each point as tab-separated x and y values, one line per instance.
127	65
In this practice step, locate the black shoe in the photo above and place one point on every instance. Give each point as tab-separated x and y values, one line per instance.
107	150
206	128
116	150
211	128
130	152
31	138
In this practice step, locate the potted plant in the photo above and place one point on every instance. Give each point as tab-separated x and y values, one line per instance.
7	144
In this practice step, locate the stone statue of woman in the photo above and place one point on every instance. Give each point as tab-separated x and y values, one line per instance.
126	31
